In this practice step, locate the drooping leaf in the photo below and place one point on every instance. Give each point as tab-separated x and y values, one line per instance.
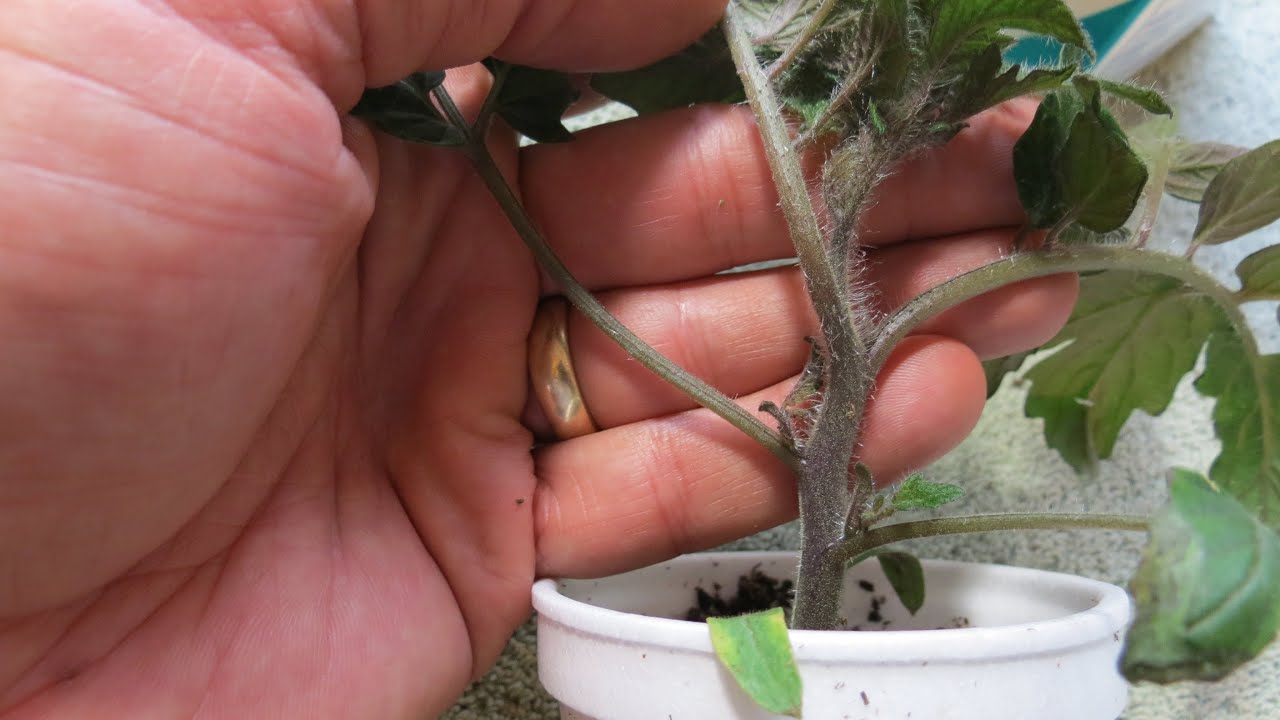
404	110
756	650
1101	176
1194	166
905	576
701	73
533	101
916	493
1208	589
1260	273
1035	156
1130	340
1246	418
959	20
1074	164
1243	197
1146	98
997	368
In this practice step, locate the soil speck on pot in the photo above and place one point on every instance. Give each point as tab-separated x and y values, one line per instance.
865	699
867	585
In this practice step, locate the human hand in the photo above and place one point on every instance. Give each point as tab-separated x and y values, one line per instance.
265	424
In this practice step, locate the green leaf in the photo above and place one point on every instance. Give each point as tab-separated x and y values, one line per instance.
987	82
701	73
1207	588
1101	177
916	493
906	576
1146	98
1246	418
404	110
1075	164
757	652
1130	340
1194	166
959	20
1260	273
1243	197
1035	157
533	101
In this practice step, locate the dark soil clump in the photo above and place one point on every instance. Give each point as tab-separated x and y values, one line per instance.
756	591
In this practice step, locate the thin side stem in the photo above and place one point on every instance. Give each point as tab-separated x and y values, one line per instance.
582	298
854	547
806	36
1024	266
848	88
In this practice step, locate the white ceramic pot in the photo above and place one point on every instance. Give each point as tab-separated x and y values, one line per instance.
990	642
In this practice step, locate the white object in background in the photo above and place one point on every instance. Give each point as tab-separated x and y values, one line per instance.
1158	26
1030	644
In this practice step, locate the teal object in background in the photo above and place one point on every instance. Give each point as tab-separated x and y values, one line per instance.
1104	28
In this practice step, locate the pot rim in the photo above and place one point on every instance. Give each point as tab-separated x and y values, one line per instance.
1102	622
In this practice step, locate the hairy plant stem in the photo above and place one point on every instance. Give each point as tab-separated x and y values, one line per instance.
478	153
806	36
824	467
855	548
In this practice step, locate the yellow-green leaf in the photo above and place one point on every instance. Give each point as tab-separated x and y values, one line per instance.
756	650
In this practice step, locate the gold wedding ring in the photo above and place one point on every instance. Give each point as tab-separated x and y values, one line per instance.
555	385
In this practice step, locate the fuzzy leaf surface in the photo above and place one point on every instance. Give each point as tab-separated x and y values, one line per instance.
701	73
987	82
404	110
916	493
1246	418
1208	588
959	20
905	576
1129	341
1260	273
1100	176
1243	197
533	101
756	650
1194	166
1074	163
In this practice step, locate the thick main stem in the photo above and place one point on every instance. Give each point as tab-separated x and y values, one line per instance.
823	476
694	387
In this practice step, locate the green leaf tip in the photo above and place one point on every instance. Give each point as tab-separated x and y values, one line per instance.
906	577
1244	196
957	21
405	111
1208	589
756	650
533	101
916	493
